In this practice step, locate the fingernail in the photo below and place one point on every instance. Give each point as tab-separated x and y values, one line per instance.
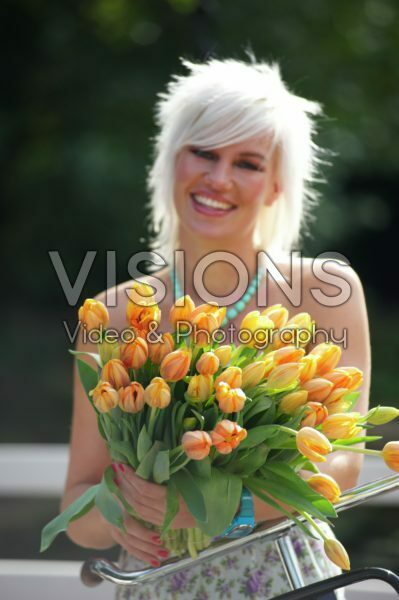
155	563
163	553
113	468
121	467
156	539
116	481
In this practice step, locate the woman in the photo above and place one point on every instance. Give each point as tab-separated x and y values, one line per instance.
233	165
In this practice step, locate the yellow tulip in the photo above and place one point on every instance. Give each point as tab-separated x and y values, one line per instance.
105	397
337	554
276	313
290	403
224	354
200	387
313	444
229	399
93	315
232	376
297	330
308	367
341	426
390	453
253	374
157	393
208	364
227	435
326	486
356	376
335	401
255	330
131	398
115	372
134	354
175	365
288	353
283	376
158	350
382	414
314	414
318	389
181	313
340	378
328	356
196	444
212	308
141	293
269	364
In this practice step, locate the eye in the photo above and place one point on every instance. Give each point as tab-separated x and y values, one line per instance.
206	154
244	164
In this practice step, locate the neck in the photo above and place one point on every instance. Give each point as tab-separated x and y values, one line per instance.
221	277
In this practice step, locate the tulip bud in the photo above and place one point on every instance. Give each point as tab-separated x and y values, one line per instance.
199	388
141	293
141	317
341	426
196	444
114	371
93	315
181	313
297	331
335	401
287	354
208	364
134	354
356	376
313	444
308	367
283	377
337	554
326	486
252	374
157	393
390	453
328	356
255	330
232	376
131	398
158	350
227	435
105	397
108	350
269	364
224	354
319	389
205	319
175	365
278	314
381	415
340	378
314	414
290	403
189	423
229	399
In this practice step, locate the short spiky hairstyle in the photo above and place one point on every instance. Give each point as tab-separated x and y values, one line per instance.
222	102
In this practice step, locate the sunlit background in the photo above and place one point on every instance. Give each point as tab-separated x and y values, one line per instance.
79	84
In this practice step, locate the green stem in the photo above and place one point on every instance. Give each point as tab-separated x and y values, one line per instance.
151	423
286	429
357	450
314	525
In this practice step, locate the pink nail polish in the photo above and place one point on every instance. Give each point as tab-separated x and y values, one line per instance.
156	539
121	467
113	468
163	553
155	563
116	481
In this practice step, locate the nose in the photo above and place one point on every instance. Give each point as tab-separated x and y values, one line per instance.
219	175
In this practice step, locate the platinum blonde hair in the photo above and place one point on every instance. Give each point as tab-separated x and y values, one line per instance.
223	102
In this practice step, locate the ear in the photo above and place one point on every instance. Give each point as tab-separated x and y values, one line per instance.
274	194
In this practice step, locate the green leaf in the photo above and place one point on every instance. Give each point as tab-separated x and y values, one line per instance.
161	467
88	377
77	509
351	399
199	416
248	462
200	468
172	507
108	505
358	440
144	443
188	487
211	417
126	450
93	355
145	468
257	435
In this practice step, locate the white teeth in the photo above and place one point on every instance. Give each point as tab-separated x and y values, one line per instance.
212	203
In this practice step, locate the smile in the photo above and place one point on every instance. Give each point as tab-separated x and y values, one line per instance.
210	205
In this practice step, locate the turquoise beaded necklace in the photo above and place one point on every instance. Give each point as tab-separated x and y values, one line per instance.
237	308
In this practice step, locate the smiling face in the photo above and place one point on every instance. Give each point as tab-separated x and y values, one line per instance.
219	193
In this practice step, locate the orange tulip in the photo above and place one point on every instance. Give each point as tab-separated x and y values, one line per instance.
196	444
290	403
288	353
326	486
205	323
356	376
276	313
227	435
134	354
131	398
232	376
175	365
253	374
390	453
141	293
181	313
308	367
341	425
269	365
115	372
337	554
208	364
283	376
314	414
229	399
328	356
212	308
141	316
105	397
318	388
157	393
340	378
224	354
313	444
199	388
158	350
93	315
335	401
255	330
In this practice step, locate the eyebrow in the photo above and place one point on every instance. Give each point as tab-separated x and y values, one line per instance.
255	154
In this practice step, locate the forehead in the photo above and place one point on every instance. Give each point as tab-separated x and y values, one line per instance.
260	144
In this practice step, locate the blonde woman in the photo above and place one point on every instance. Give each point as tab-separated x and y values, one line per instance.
233	171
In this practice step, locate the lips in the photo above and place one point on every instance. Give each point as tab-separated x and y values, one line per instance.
207	205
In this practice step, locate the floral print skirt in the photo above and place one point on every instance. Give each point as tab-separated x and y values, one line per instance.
254	572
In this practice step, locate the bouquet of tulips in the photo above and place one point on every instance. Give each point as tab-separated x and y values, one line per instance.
206	419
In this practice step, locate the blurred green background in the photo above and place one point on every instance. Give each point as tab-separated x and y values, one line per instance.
79	84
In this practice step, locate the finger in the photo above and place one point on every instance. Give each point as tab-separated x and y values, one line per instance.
148	513
145	488
137	529
142	550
